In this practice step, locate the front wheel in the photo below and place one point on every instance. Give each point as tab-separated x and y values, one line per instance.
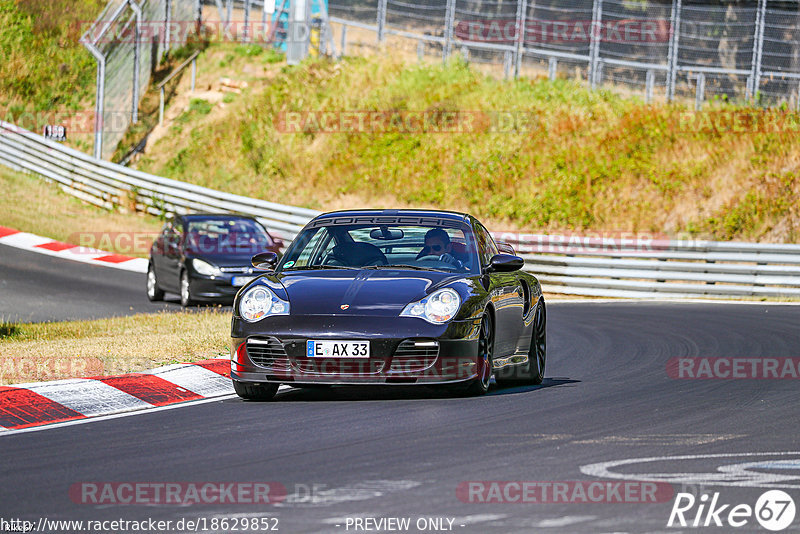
480	384
186	295
255	392
154	293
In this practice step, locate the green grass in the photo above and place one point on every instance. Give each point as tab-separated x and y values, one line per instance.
44	66
591	160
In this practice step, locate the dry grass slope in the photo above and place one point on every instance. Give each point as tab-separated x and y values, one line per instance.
592	160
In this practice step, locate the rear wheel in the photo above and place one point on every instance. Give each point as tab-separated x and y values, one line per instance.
154	293
480	384
531	372
256	392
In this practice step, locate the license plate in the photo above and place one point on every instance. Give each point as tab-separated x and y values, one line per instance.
337	349
239	281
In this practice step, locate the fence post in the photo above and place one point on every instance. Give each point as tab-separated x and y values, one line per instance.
448	29
465	53
594	40
167	20
648	86
228	15
381	20
136	49
507	64
552	68
758	46
672	53
194	72
420	50
522	12
344	39
198	12
598	73
99	99
264	12
797	102
246	30
699	91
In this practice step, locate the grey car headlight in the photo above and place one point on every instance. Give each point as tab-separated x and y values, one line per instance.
205	268
437	308
259	302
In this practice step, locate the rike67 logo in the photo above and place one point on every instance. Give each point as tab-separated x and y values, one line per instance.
774	510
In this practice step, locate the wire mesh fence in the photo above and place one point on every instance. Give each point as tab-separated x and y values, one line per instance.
746	51
128	40
730	50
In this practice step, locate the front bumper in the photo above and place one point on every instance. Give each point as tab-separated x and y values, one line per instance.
402	351
217	287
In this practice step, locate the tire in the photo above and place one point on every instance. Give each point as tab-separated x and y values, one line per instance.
480	385
531	372
255	392
154	293
186	290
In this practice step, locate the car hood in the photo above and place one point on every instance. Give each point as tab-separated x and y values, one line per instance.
377	292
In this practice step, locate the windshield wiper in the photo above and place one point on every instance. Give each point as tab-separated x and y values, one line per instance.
401	266
314	267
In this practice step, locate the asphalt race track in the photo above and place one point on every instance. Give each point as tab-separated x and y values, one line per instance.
37	287
403	452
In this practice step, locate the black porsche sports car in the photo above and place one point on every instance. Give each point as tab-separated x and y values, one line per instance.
389	297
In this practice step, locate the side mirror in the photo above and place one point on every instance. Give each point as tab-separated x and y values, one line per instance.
505	248
504	263
265	260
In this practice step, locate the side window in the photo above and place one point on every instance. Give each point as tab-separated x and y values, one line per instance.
486	246
311	247
169	236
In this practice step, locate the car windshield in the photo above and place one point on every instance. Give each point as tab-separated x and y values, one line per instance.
445	245
226	236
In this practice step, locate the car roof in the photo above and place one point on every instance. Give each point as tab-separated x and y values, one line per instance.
454	215
212	216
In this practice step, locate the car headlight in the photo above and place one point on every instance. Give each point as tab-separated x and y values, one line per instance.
205	268
259	302
437	308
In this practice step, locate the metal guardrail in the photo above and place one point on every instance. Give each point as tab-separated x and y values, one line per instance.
564	264
108	185
660	268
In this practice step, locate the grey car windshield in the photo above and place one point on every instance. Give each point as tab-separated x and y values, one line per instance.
380	246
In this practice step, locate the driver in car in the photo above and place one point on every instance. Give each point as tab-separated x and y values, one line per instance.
437	243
